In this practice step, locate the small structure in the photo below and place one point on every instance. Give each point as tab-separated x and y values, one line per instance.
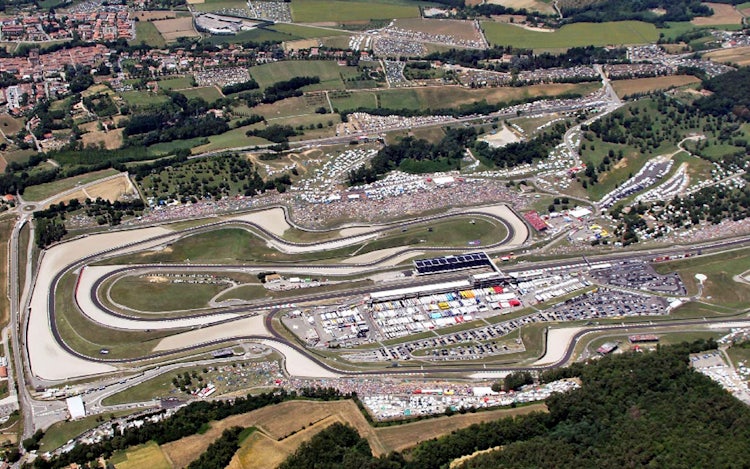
640	338
607	348
75	407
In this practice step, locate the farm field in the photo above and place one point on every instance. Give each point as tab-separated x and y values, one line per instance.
207	93
155	15
531	5
572	35
281	431
254	35
331	74
216	5
147	455
42	191
146	32
451	96
723	14
112	190
458	28
317	11
739	56
306	32
110	140
175	28
645	85
346	100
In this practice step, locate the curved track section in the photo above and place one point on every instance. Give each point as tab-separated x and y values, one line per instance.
52	359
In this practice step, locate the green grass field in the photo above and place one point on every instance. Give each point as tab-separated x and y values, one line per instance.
720	270
254	35
10	125
165	148
143	98
346	100
88	337
43	191
316	11
230	245
234	138
19	156
146	32
215	5
59	433
148	455
572	35
177	83
208	93
144	295
329	72
306	32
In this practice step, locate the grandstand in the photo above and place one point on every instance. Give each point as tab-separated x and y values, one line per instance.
444	264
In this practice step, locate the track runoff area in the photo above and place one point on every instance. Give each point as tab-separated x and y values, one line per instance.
54	354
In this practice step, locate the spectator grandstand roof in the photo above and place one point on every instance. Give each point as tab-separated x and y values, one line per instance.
535	220
451	263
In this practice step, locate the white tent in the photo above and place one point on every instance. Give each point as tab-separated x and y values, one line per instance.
75	407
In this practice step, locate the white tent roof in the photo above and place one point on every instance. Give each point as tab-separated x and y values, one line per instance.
75	407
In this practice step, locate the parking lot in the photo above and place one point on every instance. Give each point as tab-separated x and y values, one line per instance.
640	275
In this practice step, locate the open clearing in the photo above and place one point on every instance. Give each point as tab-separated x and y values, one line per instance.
147	455
174	28
457	28
531	5
329	72
10	125
147	33
306	32
572	35
42	191
111	189
739	56
207	93
317	11
110	140
296	421
646	85
452	96
723	14
155	15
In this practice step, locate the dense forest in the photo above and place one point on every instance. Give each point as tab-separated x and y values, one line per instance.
646	409
180	118
577	11
527	152
523	59
417	156
731	94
